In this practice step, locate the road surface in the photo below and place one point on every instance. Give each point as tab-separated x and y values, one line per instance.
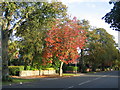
91	80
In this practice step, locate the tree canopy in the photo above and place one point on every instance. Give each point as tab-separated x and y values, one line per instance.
63	40
21	14
102	51
113	17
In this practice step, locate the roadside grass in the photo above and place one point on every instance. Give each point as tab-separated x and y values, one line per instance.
17	80
69	74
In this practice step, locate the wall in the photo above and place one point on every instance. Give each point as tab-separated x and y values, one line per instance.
37	72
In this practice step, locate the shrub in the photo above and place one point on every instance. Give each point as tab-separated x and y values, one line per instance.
72	68
34	69
31	68
48	69
75	68
28	68
14	70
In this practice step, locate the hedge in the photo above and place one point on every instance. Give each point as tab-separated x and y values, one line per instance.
72	68
14	70
28	68
48	69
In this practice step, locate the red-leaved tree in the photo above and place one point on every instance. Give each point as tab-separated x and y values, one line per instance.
63	40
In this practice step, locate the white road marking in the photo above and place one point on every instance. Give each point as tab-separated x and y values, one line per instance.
71	87
97	78
91	80
88	81
84	82
81	83
104	75
100	77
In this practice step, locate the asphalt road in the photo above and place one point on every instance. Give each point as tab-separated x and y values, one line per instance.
96	80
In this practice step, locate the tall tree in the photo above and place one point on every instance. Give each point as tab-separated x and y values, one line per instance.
102	48
34	29
11	12
113	17
16	14
85	26
62	41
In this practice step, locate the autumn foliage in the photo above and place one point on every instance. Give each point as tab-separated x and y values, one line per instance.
63	40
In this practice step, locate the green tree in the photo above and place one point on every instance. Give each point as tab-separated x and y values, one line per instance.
113	17
85	26
116	63
15	14
13	52
34	31
102	49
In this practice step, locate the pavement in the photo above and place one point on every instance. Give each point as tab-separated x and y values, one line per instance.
108	79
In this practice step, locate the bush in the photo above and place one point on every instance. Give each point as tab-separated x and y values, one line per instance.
14	70
33	69
72	68
49	69
75	68
28	68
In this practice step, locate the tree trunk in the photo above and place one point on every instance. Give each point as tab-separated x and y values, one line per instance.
31	66
81	62
61	71
25	64
103	67
5	71
93	69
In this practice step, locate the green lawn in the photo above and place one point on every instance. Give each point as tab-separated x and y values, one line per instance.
18	80
69	74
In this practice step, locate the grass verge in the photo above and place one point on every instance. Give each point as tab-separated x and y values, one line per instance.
69	74
17	80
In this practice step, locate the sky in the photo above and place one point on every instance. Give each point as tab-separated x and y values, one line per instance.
93	11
